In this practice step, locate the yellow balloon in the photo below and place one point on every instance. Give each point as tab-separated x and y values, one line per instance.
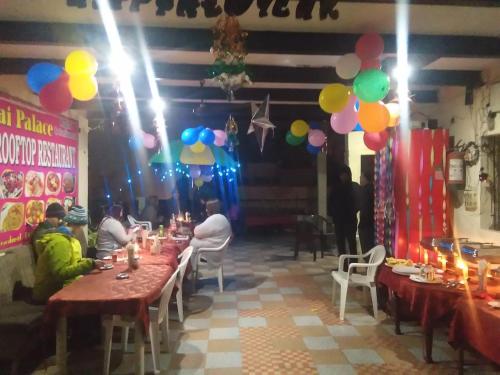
83	87
198	182
373	117
299	128
394	114
198	147
334	97
80	62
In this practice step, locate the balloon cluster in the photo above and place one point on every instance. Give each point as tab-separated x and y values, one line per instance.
362	104
144	139
57	87
200	137
298	132
200	174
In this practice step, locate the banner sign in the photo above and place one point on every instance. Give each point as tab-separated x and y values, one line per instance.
38	166
214	8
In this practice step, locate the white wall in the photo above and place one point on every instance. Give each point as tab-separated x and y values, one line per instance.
356	148
467	123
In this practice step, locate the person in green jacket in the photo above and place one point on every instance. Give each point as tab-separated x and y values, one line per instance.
54	215
60	261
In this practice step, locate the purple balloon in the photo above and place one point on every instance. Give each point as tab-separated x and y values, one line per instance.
345	121
149	140
317	138
194	171
220	138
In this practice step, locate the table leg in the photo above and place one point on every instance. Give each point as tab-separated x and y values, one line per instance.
428	334
395	302
460	361
139	347
61	345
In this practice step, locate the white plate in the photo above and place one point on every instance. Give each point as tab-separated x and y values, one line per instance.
494	304
419	279
106	267
405	270
183	238
107	257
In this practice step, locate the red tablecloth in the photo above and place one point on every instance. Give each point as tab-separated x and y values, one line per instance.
476	325
100	293
430	304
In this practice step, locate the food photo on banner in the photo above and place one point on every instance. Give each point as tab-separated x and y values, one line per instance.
38	166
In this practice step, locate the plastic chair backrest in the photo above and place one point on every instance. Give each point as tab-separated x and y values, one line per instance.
224	245
377	255
166	293
186	255
144	224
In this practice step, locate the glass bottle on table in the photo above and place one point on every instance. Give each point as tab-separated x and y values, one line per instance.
161	231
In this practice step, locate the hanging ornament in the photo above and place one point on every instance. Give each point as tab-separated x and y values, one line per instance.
260	123
232	133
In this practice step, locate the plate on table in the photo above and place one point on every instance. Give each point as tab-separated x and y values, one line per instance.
419	279
405	270
106	267
180	238
495	304
108	257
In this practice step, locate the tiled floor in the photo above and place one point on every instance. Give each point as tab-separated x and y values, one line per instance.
275	317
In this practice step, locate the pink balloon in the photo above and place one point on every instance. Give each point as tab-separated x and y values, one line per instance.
149	140
345	121
376	141
220	138
317	138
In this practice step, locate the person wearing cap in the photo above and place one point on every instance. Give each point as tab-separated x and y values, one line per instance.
211	233
111	235
54	215
61	260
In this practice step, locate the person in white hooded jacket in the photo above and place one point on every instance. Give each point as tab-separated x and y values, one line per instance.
212	233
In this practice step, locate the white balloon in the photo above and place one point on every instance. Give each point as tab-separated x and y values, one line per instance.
348	66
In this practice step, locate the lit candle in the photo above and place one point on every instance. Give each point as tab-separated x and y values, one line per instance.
426	257
465	269
443	263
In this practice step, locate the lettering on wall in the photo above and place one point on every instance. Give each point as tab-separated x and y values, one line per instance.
213	8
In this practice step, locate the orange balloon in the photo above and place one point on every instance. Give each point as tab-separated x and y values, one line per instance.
373	117
394	114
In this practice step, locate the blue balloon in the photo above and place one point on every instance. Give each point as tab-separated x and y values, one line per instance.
207	136
358	128
206	170
314	125
313	149
41	74
189	136
135	143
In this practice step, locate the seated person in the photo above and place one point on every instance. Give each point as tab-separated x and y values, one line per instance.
61	260
211	233
54	215
111	234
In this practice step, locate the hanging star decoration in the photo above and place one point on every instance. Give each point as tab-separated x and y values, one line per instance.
260	123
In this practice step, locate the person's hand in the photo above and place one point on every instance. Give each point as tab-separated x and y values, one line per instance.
98	263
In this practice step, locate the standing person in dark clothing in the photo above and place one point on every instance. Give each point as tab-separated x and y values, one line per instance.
366	227
343	209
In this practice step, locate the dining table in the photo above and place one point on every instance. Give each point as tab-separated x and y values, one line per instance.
101	293
476	324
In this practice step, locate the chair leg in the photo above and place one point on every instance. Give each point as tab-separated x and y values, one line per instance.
220	276
343	298
154	335
164	336
180	307
373	292
334	292
195	275
108	336
125	332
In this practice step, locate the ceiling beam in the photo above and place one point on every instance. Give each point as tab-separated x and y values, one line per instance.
258	41
264	73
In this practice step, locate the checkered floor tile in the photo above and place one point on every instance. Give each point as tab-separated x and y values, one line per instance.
276	317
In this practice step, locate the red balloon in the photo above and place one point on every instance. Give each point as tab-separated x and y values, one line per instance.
55	96
371	64
376	141
369	46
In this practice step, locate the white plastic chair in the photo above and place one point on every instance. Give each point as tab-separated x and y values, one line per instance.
158	319
144	224
186	256
220	271
346	279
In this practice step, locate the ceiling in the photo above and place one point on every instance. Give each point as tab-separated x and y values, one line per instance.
448	46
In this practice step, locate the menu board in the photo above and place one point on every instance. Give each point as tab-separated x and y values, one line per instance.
38	166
